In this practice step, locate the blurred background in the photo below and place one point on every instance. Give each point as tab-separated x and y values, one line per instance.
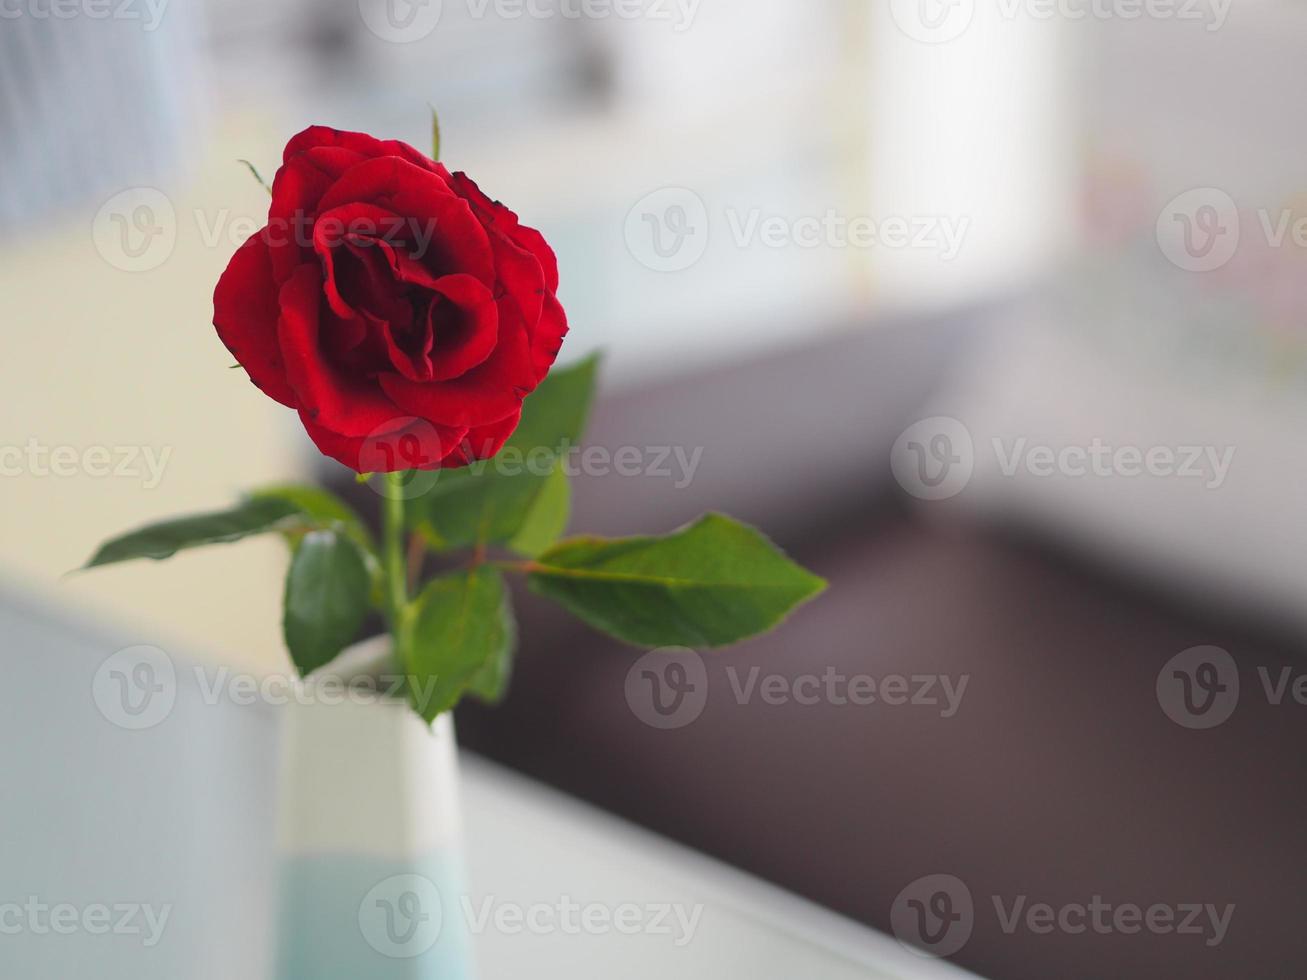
992	313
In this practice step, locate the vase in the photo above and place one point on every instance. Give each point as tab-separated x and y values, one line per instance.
371	873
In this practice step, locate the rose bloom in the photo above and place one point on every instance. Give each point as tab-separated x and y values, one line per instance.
398	309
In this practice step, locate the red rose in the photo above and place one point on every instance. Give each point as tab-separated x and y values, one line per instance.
398	309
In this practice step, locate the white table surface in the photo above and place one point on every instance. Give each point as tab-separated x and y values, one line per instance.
180	815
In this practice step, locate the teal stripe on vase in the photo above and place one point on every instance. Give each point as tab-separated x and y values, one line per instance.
361	917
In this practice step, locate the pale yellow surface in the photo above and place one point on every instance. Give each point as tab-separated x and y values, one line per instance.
97	356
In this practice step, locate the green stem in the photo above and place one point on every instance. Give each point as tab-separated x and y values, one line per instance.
392	538
520	567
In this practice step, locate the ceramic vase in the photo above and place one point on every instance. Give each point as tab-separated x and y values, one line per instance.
371	873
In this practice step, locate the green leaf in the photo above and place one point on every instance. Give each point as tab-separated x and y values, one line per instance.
435	134
321	507
490	683
326	598
166	538
492	500
459	627
710	584
486	507
554	415
546	519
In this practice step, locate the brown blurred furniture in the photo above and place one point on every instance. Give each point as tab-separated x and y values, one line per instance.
1059	779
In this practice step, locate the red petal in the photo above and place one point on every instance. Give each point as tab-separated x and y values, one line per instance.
296	190
483	441
419	445
547	337
353	232
489	392
466	338
334	399
316	136
245	312
506	220
535	243
520	276
440	222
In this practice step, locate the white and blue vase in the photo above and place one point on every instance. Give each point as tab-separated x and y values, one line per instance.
371	871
